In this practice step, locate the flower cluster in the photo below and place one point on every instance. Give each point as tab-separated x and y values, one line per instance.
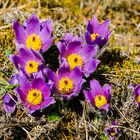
38	83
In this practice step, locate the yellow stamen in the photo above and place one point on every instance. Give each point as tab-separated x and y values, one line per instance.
65	85
94	36
112	133
34	97
138	99
34	42
31	66
74	60
100	101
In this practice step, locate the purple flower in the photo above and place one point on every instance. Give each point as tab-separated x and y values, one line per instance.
9	103
33	34
66	83
72	54
14	79
98	96
35	95
137	94
112	131
27	60
97	33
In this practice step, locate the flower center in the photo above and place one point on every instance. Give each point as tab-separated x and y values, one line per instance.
31	66
94	36
34	42
34	97
74	60
100	101
65	85
112	133
138	99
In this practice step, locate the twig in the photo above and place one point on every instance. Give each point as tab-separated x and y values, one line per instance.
27	133
122	115
6	26
85	121
97	7
10	125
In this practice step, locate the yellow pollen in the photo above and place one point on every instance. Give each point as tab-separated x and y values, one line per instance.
94	36
74	60
65	85
34	42
100	101
112	133
31	66
34	97
138	99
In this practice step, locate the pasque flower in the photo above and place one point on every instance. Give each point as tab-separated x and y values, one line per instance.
137	94
33	34
112	131
66	83
98	96
27	60
35	94
73	54
9	102
97	33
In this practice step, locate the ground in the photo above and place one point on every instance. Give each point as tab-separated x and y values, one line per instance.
120	66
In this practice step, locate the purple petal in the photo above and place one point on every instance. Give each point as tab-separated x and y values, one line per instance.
90	67
73	47
68	37
107	90
100	41
33	25
63	72
51	75
76	75
137	91
61	48
88	38
14	59
26	54
105	107
95	88
21	94
46	31
24	82
87	53
46	91
103	29
37	56
88	96
47	102
38	83
20	33
6	98
95	24
47	44
14	79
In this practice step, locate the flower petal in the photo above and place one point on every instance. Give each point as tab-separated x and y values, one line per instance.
47	44
33	25
95	88
90	67
88	96
103	29
107	90
46	32
20	32
76	75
